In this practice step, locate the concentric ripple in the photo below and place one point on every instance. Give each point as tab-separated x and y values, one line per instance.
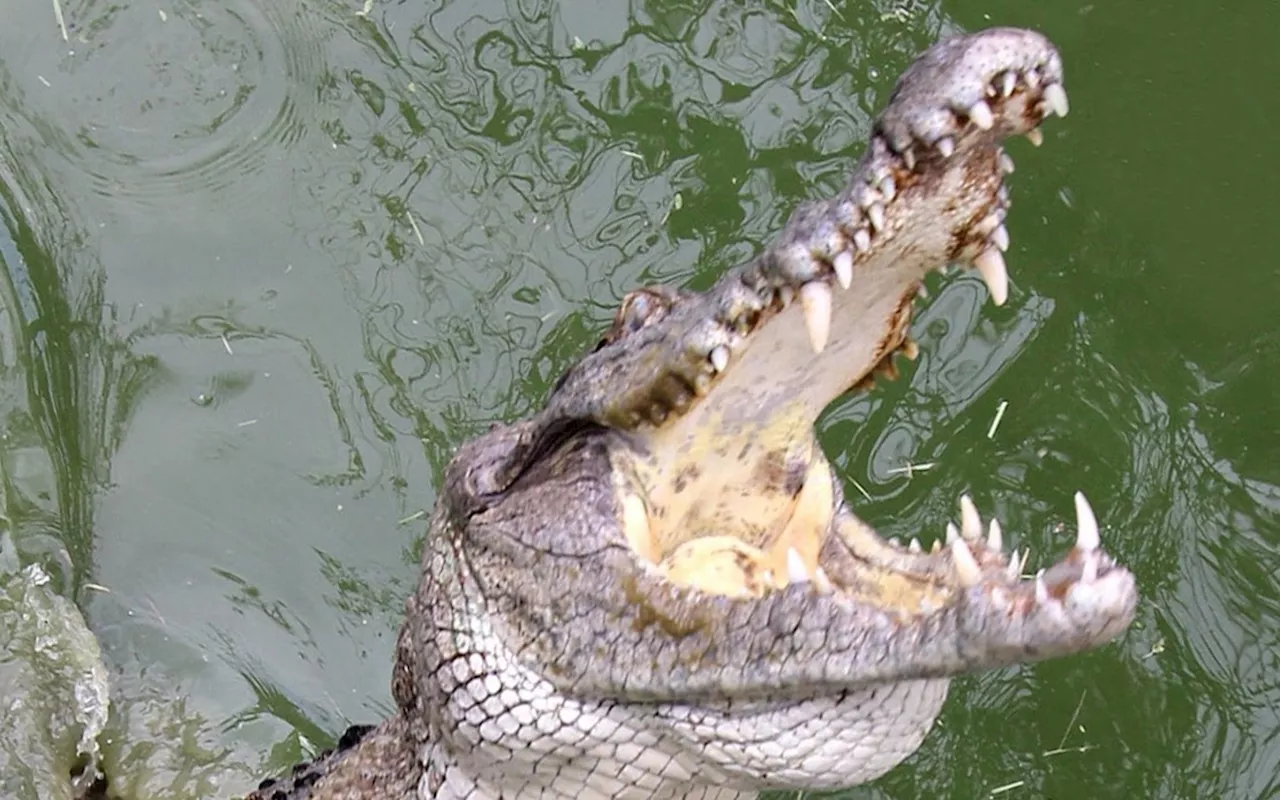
192	97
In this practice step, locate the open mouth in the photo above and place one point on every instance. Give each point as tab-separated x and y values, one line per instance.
731	494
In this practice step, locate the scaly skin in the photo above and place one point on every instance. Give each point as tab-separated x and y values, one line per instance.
654	586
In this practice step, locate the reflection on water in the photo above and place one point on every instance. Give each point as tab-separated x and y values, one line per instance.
267	264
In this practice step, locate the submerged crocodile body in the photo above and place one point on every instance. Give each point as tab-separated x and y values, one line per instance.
653	587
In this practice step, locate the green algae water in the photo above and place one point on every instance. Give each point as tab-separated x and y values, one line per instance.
266	264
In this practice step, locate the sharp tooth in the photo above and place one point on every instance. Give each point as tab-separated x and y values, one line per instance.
909	158
1006	163
821	582
876	215
1014	570
994	274
1089	571
1000	238
843	265
1087	535
1055	98
815	299
995	536
796	572
980	115
787	294
967	568
862	240
914	545
946	146
970	521
720	358
910	349
888	188
1008	82
1035	137
1042	591
935	547
953	535
767	579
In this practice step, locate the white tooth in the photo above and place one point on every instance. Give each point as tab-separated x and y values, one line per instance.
888	188
946	146
815	299
796	572
1042	591
821	582
1014	570
787	294
862	240
1089	571
914	545
895	541
876	215
994	274
1006	163
967	568
980	115
970	521
1008	82
767	579
843	265
909	158
1087	536
995	536
1055	97
935	547
953	535
1032	78
1000	238
720	358
1035	137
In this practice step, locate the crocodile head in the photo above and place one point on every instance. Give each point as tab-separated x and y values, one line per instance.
655	588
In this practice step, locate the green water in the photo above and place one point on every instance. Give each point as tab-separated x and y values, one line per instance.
266	264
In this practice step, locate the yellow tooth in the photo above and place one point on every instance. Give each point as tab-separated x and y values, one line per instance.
1035	137
967	569
970	521
843	265
994	274
815	299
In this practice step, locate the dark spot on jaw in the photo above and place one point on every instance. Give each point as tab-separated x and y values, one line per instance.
797	470
687	475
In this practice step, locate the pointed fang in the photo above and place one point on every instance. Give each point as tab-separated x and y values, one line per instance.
995	536
1055	99
815	299
1035	137
843	266
980	114
970	521
1014	570
946	146
862	240
914	545
994	274
875	213
1000	238
820	580
953	535
1087	536
720	358
967	568
796	571
1042	591
1006	163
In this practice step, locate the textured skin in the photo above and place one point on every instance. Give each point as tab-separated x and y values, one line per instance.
654	586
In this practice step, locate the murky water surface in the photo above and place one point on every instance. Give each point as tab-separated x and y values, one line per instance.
266	263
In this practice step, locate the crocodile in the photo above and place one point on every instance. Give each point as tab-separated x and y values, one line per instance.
653	586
